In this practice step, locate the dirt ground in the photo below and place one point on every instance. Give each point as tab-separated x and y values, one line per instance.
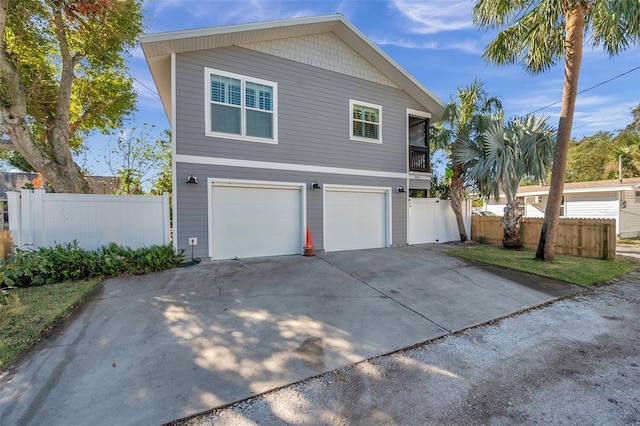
575	361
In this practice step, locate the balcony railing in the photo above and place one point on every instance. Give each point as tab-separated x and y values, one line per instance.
419	159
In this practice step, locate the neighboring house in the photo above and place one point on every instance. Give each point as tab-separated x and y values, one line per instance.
610	199
15	181
286	125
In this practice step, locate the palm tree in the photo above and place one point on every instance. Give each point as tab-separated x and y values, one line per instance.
507	154
540	32
465	118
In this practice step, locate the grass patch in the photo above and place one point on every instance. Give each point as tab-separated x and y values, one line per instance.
577	270
31	311
635	240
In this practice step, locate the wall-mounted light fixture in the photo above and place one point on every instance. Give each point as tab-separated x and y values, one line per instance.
192	179
315	185
400	189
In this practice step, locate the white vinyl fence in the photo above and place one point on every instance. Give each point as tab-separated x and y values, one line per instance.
39	219
431	220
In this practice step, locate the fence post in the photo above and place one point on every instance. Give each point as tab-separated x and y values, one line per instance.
13	199
26	216
467	216
581	225
37	212
605	243
166	218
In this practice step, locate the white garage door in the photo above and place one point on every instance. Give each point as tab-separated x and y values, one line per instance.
255	221
355	220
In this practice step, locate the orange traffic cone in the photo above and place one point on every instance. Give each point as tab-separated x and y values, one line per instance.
308	248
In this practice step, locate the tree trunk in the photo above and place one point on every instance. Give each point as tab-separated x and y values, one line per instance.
57	166
457	199
574	24
511	225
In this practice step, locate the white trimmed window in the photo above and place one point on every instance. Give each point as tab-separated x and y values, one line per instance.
365	121
239	107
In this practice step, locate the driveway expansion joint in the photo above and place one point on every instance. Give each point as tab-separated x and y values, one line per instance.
387	296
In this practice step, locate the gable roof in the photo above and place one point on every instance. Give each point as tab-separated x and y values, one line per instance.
159	47
629	184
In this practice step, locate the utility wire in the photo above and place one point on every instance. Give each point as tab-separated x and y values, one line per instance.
609	115
589	88
140	82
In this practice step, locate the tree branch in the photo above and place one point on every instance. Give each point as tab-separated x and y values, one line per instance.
59	133
6	145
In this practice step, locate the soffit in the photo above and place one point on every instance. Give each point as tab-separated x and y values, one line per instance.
159	47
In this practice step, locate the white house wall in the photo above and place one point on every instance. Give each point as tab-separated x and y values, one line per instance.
630	216
600	206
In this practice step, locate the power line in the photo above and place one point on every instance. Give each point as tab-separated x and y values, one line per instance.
609	115
140	82
587	89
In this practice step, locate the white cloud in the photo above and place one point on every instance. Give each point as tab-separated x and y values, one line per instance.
468	46
406	43
214	13
434	17
610	115
587	101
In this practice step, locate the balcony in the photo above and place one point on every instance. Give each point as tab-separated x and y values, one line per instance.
419	159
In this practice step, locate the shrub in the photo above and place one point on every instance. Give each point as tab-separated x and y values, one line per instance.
69	262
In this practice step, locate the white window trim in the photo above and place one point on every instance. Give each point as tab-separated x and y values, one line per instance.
353	102
243	126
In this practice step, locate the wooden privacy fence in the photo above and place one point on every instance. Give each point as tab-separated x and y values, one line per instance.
6	244
595	238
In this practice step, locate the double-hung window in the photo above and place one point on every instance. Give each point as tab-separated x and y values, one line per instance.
365	121
239	107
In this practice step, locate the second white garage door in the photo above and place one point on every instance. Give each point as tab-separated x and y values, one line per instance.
355	219
255	221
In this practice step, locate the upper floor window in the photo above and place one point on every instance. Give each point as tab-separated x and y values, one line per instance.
240	107
365	121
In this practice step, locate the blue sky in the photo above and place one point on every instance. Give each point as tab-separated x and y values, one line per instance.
435	41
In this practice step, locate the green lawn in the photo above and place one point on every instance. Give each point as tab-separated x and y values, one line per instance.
576	270
629	240
31	311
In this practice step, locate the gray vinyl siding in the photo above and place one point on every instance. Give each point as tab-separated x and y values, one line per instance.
192	214
313	113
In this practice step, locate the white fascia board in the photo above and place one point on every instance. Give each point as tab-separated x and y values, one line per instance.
577	191
251	164
237	28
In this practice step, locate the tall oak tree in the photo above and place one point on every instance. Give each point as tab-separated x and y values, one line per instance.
62	76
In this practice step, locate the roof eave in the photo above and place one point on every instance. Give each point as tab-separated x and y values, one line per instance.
158	48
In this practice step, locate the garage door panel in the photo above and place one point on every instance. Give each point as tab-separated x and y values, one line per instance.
355	220
252	222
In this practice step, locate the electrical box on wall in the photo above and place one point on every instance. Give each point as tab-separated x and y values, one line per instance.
193	241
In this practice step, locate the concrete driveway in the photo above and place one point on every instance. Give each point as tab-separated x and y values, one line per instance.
628	250
150	349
